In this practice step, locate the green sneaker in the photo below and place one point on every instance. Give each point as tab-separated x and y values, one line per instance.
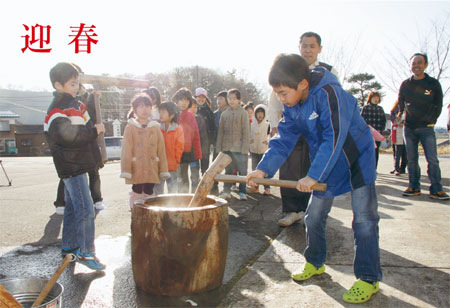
309	271
360	292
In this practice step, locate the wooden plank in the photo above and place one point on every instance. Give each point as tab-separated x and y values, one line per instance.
114	81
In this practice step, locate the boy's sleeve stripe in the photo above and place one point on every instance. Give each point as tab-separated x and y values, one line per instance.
53	114
333	107
334	111
75	116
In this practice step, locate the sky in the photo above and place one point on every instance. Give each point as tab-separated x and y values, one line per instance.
139	37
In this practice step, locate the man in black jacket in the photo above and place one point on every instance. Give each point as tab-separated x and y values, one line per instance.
420	97
204	111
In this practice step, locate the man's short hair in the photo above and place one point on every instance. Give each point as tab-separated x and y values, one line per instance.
424	55
236	92
311	34
62	72
289	70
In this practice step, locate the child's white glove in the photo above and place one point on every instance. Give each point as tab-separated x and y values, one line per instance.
125	175
164	176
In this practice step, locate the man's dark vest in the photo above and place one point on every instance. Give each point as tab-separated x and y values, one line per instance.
327	66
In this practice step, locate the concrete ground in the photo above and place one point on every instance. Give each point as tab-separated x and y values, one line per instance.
414	243
414	237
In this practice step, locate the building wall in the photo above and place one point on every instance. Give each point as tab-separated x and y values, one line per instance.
34	144
4	135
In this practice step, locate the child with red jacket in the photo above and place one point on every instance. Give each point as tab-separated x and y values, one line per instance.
174	141
192	147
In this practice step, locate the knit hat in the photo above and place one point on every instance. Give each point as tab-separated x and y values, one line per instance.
200	91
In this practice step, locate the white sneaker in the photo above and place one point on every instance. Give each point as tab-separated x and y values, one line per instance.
242	196
290	218
99	205
59	210
225	195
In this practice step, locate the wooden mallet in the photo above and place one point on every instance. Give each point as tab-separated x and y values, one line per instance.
213	174
218	165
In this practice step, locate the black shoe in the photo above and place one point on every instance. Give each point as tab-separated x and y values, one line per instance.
411	192
392	172
440	195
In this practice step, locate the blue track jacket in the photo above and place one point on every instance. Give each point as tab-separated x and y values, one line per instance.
341	146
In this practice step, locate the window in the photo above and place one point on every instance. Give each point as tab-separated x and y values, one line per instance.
4	126
113	142
26	143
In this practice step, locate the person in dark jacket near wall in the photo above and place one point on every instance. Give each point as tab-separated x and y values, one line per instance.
70	134
420	97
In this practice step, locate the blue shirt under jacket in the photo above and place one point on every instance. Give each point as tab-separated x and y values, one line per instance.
341	145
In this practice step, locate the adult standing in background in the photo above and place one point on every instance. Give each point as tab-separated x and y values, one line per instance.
374	116
420	97
205	112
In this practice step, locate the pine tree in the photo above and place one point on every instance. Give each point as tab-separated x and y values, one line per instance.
362	85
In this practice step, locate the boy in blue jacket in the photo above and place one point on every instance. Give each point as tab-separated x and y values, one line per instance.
342	156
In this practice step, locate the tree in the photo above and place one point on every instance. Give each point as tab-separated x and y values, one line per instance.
344	59
116	102
435	42
196	76
363	83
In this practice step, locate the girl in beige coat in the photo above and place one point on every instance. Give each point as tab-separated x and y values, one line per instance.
143	159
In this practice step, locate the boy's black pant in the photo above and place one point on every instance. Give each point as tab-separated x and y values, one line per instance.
295	168
377	152
401	161
94	186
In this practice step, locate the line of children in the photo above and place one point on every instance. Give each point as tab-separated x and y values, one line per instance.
143	159
174	143
70	136
192	148
233	138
